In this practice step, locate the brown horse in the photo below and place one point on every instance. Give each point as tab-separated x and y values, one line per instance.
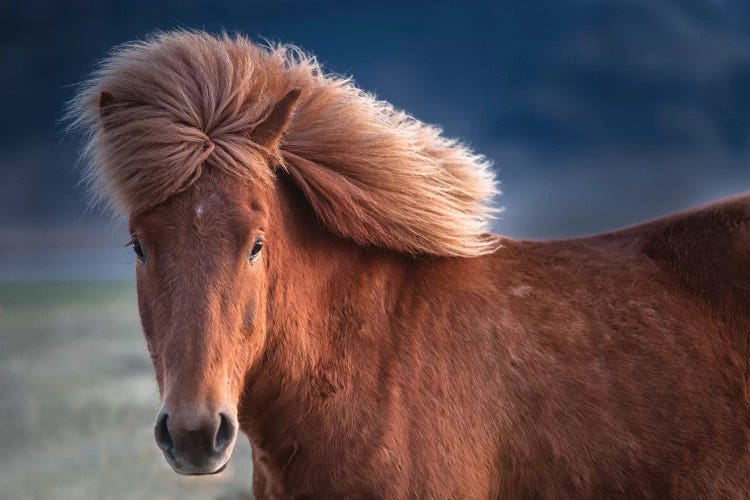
314	269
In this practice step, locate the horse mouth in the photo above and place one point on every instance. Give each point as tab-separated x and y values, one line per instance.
201	473
186	469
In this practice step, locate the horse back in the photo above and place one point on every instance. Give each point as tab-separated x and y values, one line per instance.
707	253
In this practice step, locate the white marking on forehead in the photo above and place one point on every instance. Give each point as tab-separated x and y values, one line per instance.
204	203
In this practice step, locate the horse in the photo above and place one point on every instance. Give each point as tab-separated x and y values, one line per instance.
315	269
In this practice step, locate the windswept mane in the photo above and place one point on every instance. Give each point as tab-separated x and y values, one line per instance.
184	100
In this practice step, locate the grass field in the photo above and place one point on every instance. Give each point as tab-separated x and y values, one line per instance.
78	401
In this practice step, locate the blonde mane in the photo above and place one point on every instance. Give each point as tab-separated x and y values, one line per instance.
371	173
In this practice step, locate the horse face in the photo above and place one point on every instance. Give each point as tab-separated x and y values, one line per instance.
201	274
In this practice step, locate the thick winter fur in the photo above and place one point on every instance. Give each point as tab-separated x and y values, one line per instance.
614	366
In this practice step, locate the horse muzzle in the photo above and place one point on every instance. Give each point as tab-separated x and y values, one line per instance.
196	442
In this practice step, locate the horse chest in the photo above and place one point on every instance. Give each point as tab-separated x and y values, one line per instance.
300	475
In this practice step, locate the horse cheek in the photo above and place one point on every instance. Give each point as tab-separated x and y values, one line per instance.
145	312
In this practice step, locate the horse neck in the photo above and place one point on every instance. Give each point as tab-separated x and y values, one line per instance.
328	300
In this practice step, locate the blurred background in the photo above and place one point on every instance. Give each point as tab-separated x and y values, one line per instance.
597	114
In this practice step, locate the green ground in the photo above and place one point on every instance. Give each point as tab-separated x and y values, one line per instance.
78	400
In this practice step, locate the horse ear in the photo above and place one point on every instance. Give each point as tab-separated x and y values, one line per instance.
106	100
270	131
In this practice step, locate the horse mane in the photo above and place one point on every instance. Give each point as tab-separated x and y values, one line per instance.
181	101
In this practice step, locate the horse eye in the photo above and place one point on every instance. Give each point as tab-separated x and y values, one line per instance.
138	249
257	247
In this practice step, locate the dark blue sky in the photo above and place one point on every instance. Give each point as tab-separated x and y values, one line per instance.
596	113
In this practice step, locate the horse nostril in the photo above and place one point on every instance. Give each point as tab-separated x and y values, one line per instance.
224	434
162	435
